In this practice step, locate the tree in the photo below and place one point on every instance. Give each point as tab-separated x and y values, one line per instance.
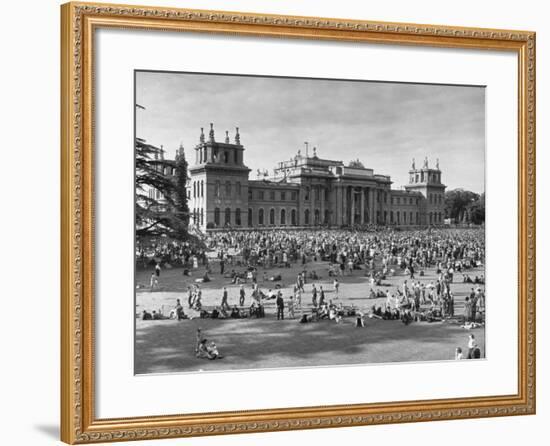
477	210
356	163
458	204
180	198
156	210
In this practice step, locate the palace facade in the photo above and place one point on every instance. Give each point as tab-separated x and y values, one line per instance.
304	191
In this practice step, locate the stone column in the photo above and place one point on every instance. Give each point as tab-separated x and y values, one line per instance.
371	205
322	204
336	205
344	204
352	221
362	206
312	206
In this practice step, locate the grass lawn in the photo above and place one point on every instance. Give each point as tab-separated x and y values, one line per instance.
168	346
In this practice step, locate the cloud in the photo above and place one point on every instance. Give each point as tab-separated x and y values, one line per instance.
383	124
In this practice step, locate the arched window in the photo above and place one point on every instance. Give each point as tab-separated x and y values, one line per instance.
316	217
217	189
391	216
404	218
227	219
202	188
272	217
225	157
261	217
306	217
238	217
307	194
202	216
228	189
431	218
325	221
194	189
293	217
283	217
238	189
410	218
217	216
249	217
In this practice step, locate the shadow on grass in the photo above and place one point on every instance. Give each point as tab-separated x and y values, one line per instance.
168	346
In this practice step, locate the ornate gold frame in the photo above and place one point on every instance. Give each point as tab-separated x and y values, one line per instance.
78	423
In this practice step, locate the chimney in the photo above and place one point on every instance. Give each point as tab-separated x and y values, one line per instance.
237	136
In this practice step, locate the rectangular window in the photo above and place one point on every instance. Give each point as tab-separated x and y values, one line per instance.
260	195
272	195
293	196
283	196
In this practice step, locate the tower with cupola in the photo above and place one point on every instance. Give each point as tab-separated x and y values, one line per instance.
427	181
218	186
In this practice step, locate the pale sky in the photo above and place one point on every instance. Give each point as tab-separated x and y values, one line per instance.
383	124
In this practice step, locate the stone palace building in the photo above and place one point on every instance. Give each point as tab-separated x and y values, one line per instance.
304	191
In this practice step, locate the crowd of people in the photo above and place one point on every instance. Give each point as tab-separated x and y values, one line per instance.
244	258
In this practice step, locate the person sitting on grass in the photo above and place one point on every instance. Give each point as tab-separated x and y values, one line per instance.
407	317
208	350
146	316
179	311
359	321
235	313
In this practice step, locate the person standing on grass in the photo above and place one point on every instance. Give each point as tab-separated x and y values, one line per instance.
299	298
157	269
291	307
225	304
314	295
280	307
321	296
472	344
241	296
153	282
336	285
198	340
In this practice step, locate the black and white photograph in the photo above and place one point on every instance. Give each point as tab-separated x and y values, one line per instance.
288	222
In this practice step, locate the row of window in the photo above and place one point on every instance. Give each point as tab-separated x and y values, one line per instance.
202	156
435	198
273	195
228	189
282	217
425	177
198	191
404	200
